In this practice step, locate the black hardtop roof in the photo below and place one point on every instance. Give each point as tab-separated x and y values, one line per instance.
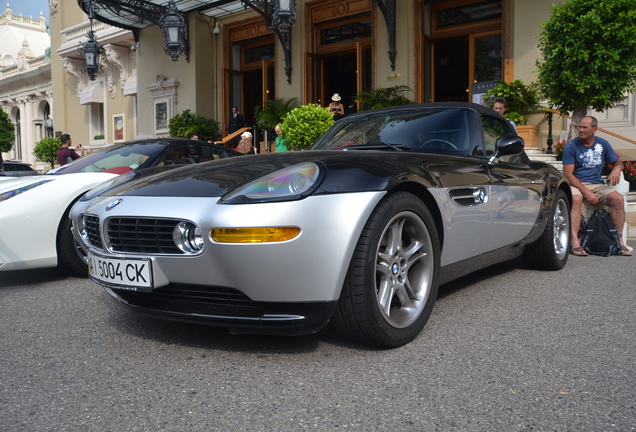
434	105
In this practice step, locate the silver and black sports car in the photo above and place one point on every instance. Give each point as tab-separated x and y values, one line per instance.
359	230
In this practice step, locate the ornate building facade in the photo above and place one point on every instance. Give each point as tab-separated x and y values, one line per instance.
25	81
235	56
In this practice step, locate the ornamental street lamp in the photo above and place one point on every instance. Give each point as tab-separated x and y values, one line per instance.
174	28
284	17
280	17
91	51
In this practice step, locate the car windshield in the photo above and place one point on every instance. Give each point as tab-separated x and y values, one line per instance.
116	159
439	130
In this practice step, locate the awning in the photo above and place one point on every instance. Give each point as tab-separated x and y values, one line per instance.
137	14
130	86
93	93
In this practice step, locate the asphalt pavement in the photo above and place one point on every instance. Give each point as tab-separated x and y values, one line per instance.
506	349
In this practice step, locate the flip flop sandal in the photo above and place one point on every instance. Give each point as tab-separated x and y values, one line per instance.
625	251
578	251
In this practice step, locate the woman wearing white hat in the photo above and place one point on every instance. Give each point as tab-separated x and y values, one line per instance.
336	107
245	145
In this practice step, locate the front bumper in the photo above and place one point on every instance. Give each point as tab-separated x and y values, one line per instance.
226	308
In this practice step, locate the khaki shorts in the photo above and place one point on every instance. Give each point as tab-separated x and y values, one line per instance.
600	190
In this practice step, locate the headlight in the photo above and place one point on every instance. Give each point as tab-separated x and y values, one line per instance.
10	194
288	184
100	189
188	238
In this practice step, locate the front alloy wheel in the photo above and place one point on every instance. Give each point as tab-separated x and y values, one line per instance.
391	285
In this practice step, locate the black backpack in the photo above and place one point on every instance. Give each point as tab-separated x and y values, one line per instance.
599	235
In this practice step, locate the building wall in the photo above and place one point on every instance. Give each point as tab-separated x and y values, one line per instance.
198	84
25	81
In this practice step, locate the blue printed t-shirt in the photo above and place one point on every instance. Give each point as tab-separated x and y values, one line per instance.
588	161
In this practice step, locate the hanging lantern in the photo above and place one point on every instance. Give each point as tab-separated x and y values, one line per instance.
173	27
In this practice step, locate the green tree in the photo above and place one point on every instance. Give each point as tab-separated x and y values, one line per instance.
46	150
589	55
184	124
383	97
304	125
7	136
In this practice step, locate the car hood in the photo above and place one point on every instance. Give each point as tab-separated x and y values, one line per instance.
345	171
68	182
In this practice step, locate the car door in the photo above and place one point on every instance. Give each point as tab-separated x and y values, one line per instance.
515	189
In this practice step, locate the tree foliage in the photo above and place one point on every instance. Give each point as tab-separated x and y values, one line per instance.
589	55
383	97
184	124
46	150
7	136
304	125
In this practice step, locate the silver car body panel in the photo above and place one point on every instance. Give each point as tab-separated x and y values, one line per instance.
314	264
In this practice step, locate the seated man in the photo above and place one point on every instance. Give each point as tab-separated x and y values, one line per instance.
583	160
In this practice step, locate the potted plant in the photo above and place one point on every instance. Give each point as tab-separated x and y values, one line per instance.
272	113
521	102
558	149
186	123
383	97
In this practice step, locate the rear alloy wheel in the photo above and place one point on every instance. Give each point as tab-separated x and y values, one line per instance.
392	282
551	250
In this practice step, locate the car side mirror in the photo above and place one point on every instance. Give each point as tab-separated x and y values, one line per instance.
509	145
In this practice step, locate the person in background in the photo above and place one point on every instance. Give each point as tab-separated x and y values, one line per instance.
351	109
499	105
66	152
583	161
194	136
280	141
237	121
336	107
245	145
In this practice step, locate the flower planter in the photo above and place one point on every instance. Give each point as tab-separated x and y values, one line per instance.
530	135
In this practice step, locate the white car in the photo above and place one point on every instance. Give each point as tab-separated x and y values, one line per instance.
34	223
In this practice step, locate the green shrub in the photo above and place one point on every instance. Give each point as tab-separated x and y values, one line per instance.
46	150
184	124
304	125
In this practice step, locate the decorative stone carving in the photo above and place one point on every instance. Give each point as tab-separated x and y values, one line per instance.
163	87
73	67
110	76
118	57
53	5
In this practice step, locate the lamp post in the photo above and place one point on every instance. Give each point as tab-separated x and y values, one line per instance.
91	51
548	117
174	28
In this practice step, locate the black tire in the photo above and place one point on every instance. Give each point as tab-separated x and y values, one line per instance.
552	249
391	285
70	257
